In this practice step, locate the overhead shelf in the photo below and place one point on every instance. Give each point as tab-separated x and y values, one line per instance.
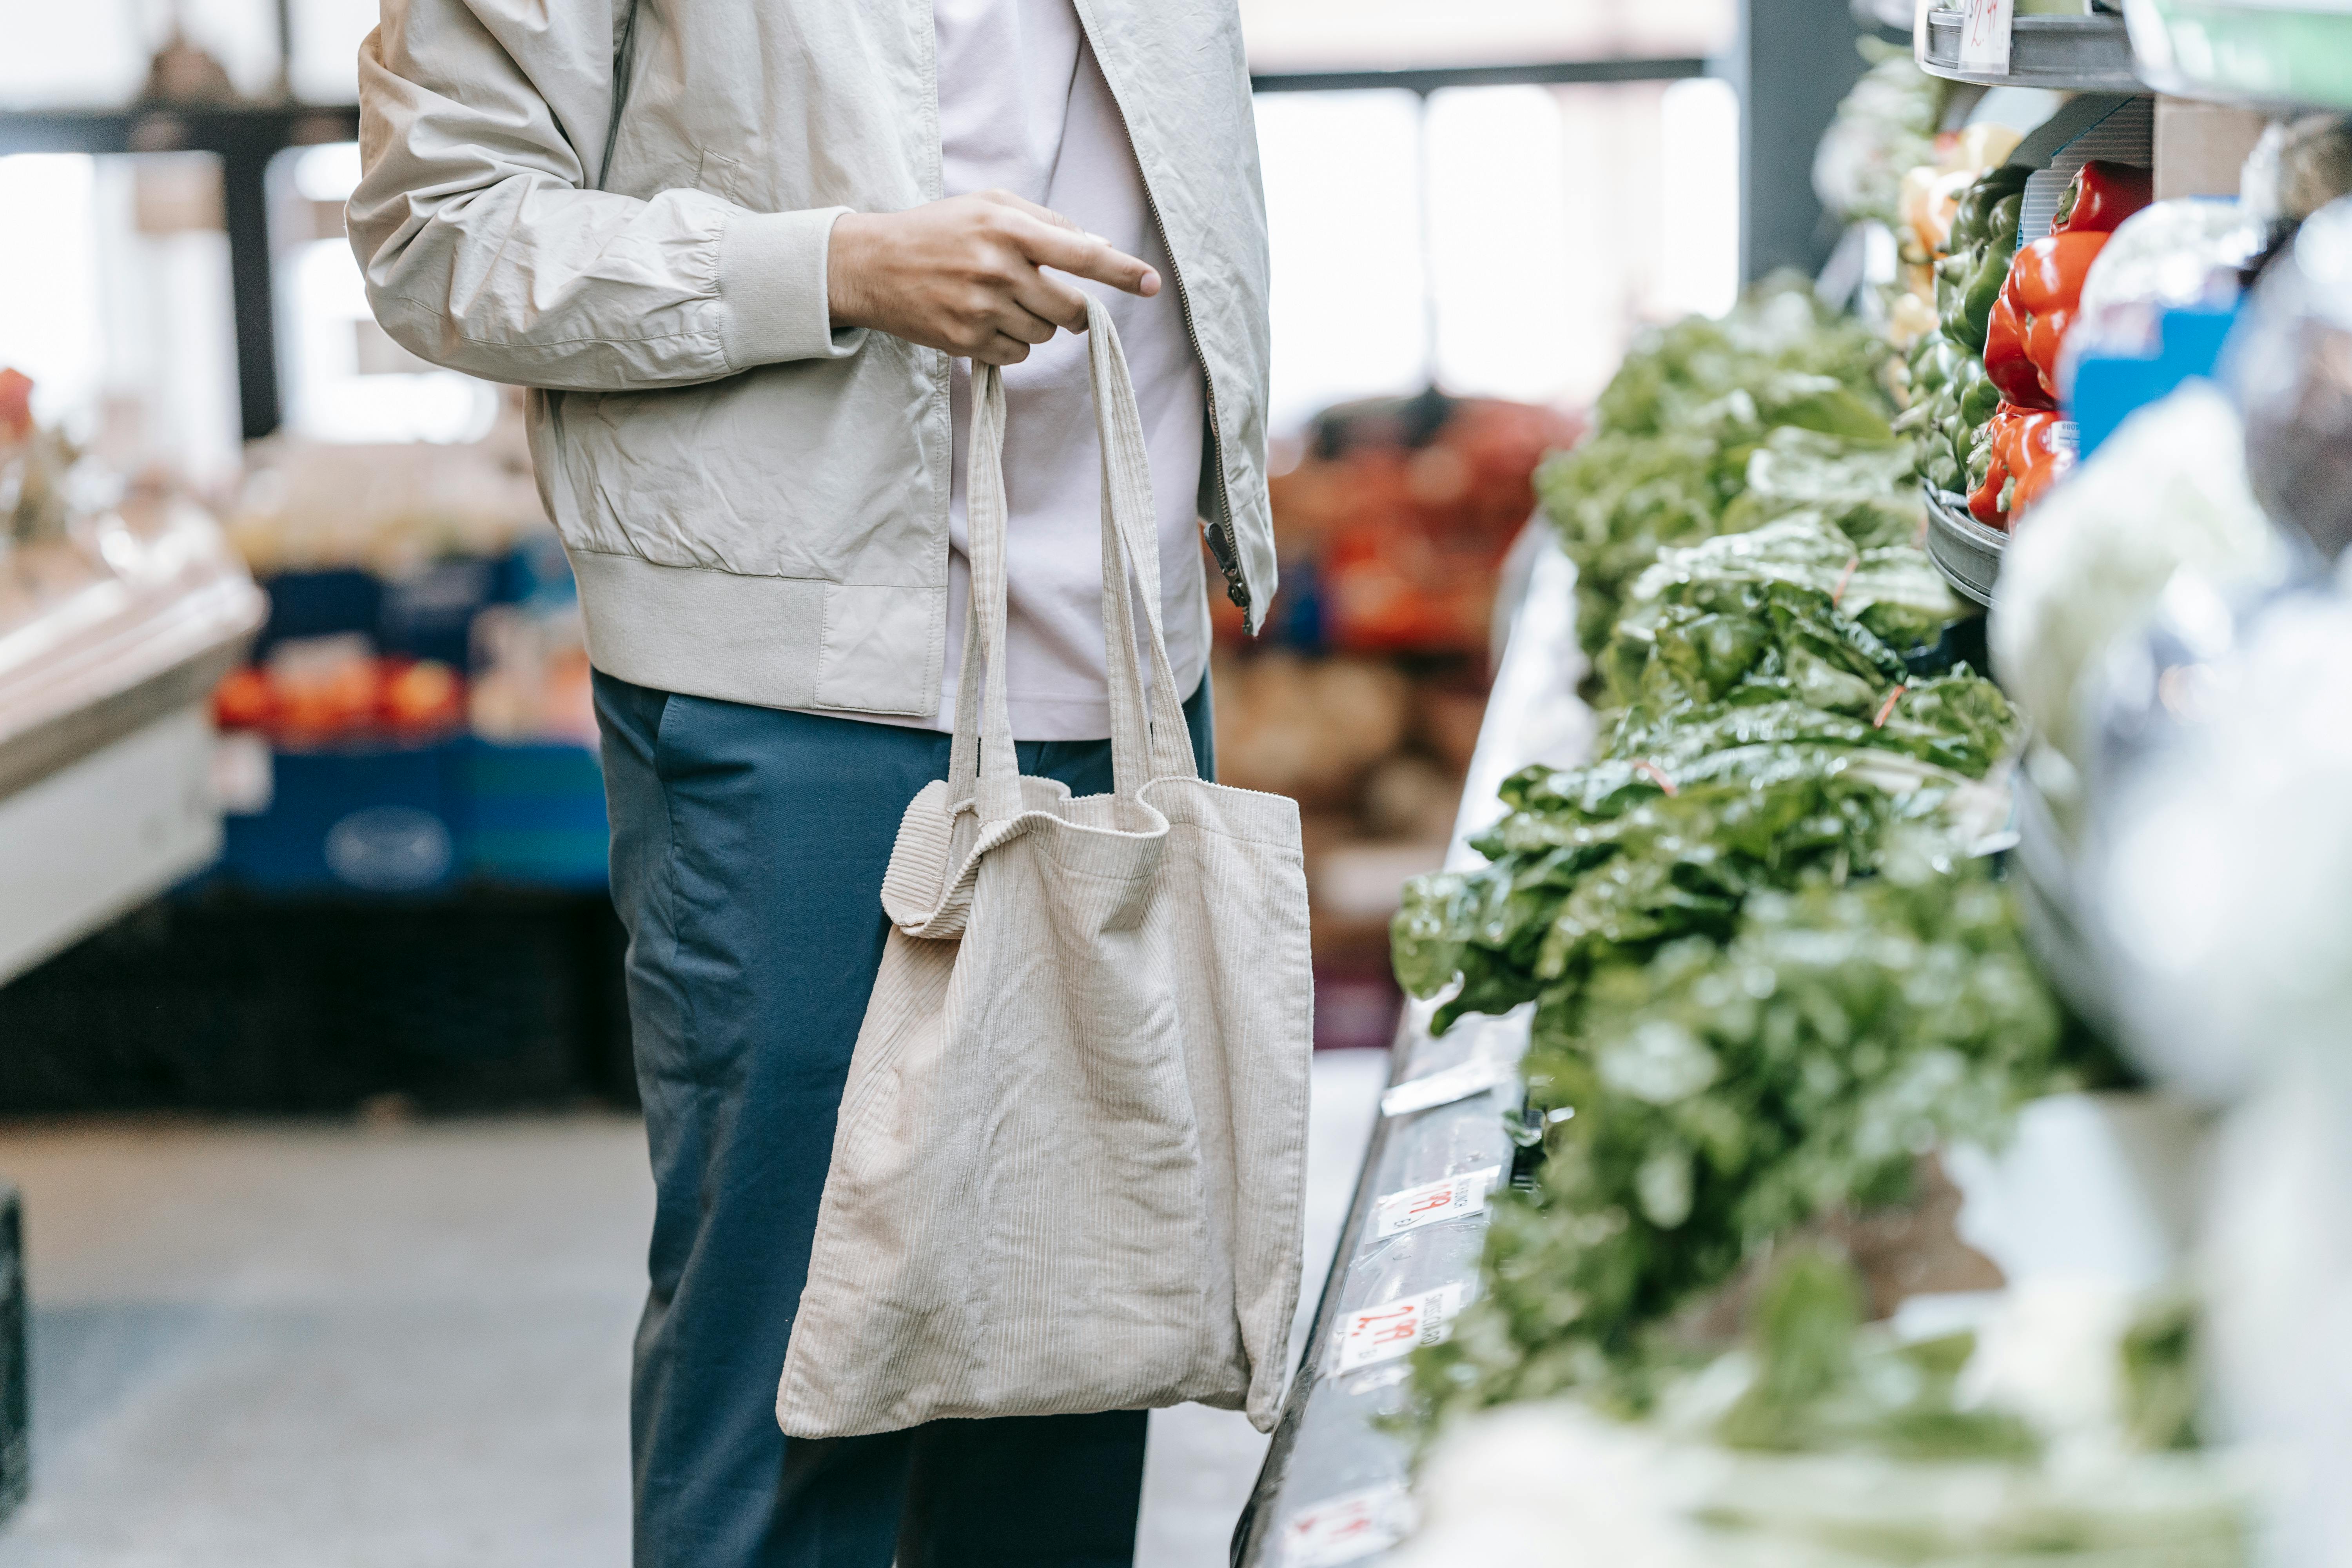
2068	53
1965	551
2273	57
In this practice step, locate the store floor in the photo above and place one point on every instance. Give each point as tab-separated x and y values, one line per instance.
406	1345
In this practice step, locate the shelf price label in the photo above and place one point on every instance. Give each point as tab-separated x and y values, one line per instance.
1985	29
1428	1203
1370	1335
1347	1526
1445	1087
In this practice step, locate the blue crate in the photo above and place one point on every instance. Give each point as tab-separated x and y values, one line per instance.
318	604
2110	383
369	819
534	813
429	614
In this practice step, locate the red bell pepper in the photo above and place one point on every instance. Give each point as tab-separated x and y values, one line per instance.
2005	362
2027	458
2030	321
2101	197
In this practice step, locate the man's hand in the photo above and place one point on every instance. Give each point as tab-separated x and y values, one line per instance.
963	274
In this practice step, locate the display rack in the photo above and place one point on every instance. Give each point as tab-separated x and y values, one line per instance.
1333	1489
106	750
1965	551
2068	53
2042	869
2267	56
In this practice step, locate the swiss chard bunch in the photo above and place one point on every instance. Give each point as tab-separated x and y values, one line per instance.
1716	661
1702	1102
1864	492
1739	764
1597	864
1677	429
1891	594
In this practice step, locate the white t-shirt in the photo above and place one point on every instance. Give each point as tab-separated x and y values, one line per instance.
1023	108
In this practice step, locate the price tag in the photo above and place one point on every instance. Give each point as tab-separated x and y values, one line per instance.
1985	29
1431	1202
1371	1335
1459	1081
1345	1527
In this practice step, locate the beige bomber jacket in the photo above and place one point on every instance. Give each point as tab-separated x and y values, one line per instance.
625	205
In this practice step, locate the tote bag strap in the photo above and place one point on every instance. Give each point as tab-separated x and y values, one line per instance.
983	731
1148	736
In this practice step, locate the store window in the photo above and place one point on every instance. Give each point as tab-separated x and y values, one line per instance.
117	305
80	55
346	380
1502	241
1389	35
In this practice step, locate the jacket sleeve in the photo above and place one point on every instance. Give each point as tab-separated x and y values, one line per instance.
487	248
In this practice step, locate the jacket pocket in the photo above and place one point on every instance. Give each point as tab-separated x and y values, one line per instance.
878	655
727	177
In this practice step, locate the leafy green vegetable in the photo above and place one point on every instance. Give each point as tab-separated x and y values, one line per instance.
2162	1385
1594	863
1892	595
1761	986
1823	1383
1865	493
1678	429
1723	1096
1617	498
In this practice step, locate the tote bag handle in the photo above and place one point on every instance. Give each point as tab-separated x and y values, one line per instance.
1148	736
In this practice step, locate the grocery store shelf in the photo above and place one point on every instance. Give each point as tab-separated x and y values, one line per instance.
114	640
2041	871
108	832
1432	78
1331	1467
1965	551
120	648
2069	54
2266	56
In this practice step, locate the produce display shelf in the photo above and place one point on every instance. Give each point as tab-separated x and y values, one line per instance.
2040	867
1965	551
2275	56
1333	1489
2069	54
105	742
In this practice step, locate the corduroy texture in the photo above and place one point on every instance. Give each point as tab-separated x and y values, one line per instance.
1066	1173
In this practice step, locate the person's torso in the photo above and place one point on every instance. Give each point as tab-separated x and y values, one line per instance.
839	471
1023	108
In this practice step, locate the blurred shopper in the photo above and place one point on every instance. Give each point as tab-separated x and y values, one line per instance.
742	254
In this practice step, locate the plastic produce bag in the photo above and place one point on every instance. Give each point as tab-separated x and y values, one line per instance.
2168	492
2291	366
2221	874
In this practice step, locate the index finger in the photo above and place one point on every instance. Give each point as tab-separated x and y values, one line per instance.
1083	256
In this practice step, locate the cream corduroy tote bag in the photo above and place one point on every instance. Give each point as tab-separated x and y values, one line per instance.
1067	1173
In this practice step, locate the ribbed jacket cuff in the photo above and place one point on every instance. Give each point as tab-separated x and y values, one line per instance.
771	280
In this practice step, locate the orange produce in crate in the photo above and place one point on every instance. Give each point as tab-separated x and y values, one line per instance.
1405	539
422	697
243	700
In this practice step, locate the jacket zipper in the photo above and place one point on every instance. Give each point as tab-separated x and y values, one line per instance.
1222	544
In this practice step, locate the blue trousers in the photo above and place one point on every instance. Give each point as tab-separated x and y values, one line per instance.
748	852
